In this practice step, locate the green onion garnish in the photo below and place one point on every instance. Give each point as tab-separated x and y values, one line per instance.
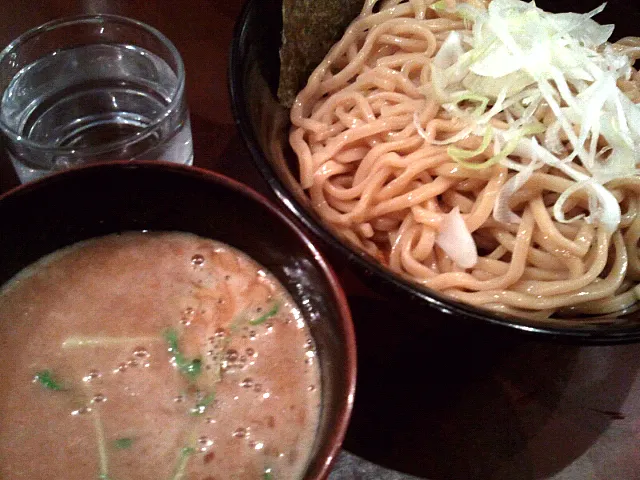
47	380
460	155
202	404
504	153
266	316
171	336
481	100
189	368
186	451
268	474
123	443
179	471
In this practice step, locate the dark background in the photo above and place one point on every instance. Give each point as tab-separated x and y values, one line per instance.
439	402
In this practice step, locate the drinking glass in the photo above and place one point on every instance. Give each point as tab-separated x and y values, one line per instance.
92	88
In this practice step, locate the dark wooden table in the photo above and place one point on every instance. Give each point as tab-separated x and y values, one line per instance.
436	403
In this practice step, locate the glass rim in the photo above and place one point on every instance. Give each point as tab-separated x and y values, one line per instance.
175	98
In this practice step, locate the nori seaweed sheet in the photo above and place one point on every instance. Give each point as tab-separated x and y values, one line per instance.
310	28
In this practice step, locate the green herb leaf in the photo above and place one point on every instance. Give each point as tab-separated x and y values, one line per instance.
266	316
202	405
183	459
47	380
171	336
186	451
268	474
123	443
189	368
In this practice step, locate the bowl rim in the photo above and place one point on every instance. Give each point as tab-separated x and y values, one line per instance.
587	335
328	452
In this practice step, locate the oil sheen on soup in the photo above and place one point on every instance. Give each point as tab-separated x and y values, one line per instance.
154	356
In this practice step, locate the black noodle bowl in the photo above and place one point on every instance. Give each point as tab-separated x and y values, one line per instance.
264	126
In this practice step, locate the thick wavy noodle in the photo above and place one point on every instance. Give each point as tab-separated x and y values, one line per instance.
374	176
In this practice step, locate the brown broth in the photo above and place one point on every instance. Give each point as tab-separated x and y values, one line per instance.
100	315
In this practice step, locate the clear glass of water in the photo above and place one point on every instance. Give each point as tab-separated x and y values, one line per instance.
89	89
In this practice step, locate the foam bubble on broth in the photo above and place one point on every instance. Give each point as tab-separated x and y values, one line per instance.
154	356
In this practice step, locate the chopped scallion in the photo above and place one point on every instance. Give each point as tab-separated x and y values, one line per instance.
481	100
189	368
183	459
504	153
202	404
261	319
123	443
171	336
461	154
440	7
186	451
47	380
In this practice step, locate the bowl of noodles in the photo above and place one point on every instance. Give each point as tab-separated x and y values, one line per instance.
476	158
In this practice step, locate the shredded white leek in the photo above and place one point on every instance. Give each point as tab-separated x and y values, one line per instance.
482	101
80	341
460	155
456	241
517	58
